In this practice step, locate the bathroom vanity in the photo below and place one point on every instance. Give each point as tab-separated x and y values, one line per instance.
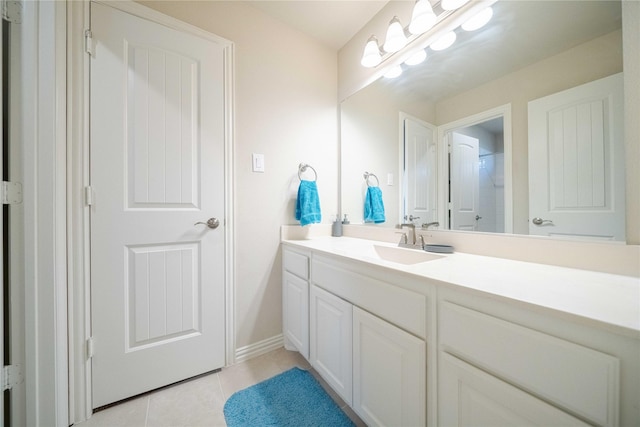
411	338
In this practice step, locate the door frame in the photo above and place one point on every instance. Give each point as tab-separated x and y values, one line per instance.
43	138
503	111
78	16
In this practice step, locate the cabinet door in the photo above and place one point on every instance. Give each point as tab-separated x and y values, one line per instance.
388	373
468	396
331	327
295	312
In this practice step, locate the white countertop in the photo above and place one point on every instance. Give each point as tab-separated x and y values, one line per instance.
613	300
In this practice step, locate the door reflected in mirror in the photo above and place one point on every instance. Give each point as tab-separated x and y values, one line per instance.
476	177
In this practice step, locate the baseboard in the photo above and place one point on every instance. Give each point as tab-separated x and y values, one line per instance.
261	347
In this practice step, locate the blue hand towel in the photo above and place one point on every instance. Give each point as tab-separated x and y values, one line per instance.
308	204
373	206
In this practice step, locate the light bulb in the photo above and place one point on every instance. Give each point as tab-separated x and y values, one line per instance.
395	36
371	56
422	18
417	57
452	4
393	72
478	20
444	42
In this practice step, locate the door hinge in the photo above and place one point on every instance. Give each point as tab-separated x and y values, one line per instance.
11	193
88	195
450	206
88	42
90	347
12	11
11	376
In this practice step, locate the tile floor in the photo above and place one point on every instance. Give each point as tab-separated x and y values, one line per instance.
199	402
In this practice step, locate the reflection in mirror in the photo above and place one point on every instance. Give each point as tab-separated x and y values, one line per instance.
529	50
476	177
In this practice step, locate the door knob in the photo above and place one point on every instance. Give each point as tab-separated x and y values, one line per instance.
540	221
211	223
478	217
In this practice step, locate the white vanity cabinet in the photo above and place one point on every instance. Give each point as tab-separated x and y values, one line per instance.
471	397
364	343
295	300
331	340
499	366
388	373
457	342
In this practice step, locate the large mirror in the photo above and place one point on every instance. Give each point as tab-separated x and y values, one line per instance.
488	83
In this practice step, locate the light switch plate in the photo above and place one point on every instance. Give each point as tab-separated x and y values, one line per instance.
257	162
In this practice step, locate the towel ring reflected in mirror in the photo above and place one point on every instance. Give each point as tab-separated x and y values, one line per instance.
302	167
368	175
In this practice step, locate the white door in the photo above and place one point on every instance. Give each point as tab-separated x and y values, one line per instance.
331	340
388	373
157	168
421	171
465	182
576	162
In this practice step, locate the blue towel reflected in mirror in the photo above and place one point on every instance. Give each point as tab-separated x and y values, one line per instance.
373	206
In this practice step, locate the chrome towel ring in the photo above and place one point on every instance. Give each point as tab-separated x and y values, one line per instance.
368	175
302	167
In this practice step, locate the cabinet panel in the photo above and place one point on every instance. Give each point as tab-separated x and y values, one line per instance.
388	373
296	263
331	340
397	305
295	299
468	396
576	378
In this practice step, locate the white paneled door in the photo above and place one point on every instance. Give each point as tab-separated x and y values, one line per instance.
420	165
157	168
465	182
576	162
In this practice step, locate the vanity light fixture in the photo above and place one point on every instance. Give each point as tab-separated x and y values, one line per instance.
417	58
394	72
396	39
424	21
479	20
422	18
444	41
371	56
452	4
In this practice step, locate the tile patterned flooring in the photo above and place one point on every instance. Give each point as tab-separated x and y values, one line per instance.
199	402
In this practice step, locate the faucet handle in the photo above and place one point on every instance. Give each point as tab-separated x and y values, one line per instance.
403	238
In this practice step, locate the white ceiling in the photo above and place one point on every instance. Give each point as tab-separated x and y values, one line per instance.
332	22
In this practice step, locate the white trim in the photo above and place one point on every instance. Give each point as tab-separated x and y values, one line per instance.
79	229
503	111
229	200
259	348
44	140
78	218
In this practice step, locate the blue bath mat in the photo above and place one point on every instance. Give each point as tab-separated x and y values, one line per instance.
293	398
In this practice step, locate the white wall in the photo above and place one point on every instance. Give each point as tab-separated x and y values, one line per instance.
285	108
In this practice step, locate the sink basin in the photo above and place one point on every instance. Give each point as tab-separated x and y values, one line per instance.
404	256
